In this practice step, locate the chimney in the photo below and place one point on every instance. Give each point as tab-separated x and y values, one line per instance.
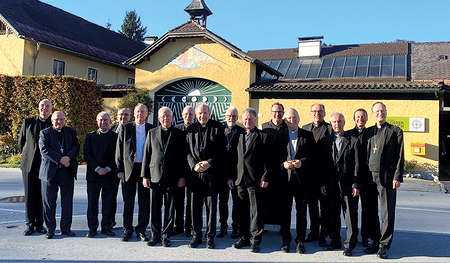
309	46
150	40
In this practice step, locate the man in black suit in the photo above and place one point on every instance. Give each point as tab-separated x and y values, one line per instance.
59	150
252	178
320	129
360	117
230	129
295	152
182	193
129	155
383	145
123	117
30	164
99	149
205	150
162	172
341	153
272	127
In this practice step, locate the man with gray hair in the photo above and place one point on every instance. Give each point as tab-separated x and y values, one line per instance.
341	182
250	180
99	149
129	155
162	172
59	150
30	163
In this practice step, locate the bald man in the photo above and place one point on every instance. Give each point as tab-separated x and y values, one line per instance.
30	163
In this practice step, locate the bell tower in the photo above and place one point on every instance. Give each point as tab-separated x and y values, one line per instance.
198	11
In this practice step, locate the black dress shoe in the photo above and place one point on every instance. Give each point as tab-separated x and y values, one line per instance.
108	232
255	248
332	246
323	242
348	252
177	231
69	233
41	229
143	237
91	233
222	233
301	248
241	243
234	234
383	252
153	241
365	242
210	243
188	233
311	237
194	242
286	246
28	231
50	234
166	242
372	249
126	236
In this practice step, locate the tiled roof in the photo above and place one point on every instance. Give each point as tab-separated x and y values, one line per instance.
397	48
346	85
188	27
425	62
44	23
199	6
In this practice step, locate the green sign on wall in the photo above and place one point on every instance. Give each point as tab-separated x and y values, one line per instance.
410	124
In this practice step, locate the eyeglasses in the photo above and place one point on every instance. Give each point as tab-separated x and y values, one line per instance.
316	111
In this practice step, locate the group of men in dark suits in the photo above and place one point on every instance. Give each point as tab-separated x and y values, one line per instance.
320	165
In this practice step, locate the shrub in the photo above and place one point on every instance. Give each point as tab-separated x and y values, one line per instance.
131	100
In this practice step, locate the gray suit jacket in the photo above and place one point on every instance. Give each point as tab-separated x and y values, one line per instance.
51	155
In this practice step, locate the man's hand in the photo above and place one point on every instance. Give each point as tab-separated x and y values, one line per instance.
121	176
323	190
296	163
102	171
230	183
181	182
65	160
146	182
355	192
202	166
395	184
288	165
264	184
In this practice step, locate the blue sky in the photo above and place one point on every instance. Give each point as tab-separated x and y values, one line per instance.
262	24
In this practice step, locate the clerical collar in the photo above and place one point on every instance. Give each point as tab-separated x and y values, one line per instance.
339	135
56	129
294	131
382	125
103	132
42	119
317	125
138	125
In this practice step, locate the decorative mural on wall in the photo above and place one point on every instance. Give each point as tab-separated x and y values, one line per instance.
191	92
192	58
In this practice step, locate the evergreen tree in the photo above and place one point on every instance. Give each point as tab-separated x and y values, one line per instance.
132	27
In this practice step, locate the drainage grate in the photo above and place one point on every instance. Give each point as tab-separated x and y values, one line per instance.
13	199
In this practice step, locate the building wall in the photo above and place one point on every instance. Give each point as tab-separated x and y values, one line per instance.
75	65
11	55
234	74
395	108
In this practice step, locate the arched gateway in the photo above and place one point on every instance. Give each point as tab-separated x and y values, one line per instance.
191	92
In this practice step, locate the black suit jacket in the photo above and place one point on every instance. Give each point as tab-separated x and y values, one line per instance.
98	154
231	152
126	148
355	132
342	167
213	151
51	154
305	152
252	163
164	162
392	153
29	141
325	129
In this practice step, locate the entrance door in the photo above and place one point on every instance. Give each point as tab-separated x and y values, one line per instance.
191	92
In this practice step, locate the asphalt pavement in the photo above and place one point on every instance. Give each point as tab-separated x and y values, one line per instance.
422	234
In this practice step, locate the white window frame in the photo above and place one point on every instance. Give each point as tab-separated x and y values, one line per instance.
55	70
96	74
